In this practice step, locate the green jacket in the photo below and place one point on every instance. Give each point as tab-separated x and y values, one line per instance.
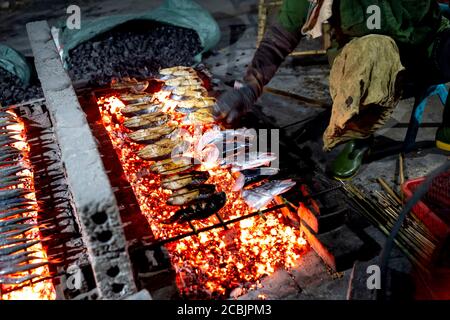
411	23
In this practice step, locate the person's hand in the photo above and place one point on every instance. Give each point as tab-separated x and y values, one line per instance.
233	104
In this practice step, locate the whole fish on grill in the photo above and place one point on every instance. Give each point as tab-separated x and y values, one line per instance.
17	280
10	181
7	222
178	71
162	149
15	212
135	98
190	194
13	257
151	135
10	171
200	116
7	141
12	193
136	86
197	103
183	82
16	248
250	176
147	121
179	181
141	109
200	210
21	268
175	165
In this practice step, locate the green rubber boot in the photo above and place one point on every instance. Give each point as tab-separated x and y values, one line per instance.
348	162
443	138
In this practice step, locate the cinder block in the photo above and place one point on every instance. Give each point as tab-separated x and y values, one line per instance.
338	248
94	201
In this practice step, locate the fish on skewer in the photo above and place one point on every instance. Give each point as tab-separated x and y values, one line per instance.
248	177
175	165
151	135
147	121
129	98
162	149
8	194
17	280
189	194
200	210
200	116
178	71
16	248
183	82
140	109
21	268
178	181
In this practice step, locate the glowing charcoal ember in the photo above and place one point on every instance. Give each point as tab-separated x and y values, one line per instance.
213	263
27	261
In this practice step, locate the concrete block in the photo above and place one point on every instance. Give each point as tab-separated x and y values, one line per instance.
94	201
338	248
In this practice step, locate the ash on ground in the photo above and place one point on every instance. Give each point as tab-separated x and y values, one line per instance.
12	90
136	49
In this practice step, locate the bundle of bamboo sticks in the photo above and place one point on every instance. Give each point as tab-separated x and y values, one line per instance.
382	209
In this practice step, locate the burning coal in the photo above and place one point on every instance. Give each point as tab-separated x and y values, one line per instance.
212	263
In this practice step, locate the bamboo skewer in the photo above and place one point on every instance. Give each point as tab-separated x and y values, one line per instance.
383	209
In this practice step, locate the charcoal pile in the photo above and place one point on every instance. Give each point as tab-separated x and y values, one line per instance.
136	50
12	91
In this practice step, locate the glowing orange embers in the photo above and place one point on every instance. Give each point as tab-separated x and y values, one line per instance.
33	266
213	263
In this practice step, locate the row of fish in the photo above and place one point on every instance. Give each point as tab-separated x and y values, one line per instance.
152	124
15	206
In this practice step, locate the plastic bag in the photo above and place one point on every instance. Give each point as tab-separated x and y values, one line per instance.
181	13
15	63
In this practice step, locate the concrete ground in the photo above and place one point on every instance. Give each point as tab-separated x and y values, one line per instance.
238	22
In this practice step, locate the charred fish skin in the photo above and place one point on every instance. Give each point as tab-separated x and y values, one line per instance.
140	109
147	121
191	194
176	182
152	135
161	150
200	210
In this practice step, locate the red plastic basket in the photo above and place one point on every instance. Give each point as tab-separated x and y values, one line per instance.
438	194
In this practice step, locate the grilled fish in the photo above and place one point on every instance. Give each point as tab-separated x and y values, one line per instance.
147	121
201	209
151	135
178	181
140	109
189	194
201	116
250	176
183	82
175	165
135	98
197	103
178	71
161	149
